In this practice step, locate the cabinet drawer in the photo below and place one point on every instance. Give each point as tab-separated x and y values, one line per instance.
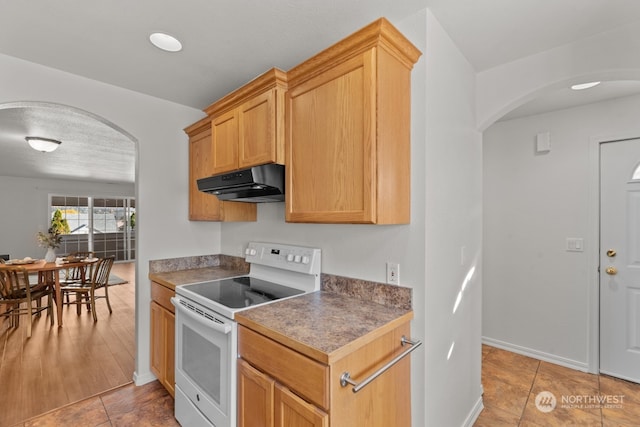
162	295
302	375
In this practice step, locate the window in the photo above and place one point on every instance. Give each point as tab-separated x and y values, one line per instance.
105	226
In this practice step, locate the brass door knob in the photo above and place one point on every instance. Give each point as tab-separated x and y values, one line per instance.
611	253
612	271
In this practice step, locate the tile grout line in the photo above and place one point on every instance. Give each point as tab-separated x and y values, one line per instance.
600	394
105	408
524	408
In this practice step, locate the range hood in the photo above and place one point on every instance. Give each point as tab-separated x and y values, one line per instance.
258	184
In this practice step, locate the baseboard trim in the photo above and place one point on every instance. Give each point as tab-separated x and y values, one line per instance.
474	414
547	357
141	379
622	377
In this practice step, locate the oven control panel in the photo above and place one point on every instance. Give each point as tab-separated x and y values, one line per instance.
300	259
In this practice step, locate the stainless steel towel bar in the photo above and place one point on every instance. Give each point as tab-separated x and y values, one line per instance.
345	378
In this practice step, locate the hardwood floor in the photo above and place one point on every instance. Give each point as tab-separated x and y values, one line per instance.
58	366
512	384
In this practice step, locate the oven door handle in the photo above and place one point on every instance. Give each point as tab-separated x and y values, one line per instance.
223	328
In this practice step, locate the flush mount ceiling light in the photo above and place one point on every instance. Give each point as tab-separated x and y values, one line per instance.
165	42
583	86
46	145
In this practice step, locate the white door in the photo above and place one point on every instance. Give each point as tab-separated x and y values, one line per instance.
620	259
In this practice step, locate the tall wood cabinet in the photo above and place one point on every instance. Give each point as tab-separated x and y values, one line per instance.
203	206
163	321
347	131
247	126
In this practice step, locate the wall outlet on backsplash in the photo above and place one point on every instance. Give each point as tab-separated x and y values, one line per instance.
393	273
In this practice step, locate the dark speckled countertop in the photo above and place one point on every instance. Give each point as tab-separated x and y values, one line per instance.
322	324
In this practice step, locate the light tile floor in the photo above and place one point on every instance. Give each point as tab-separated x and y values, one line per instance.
147	405
512	382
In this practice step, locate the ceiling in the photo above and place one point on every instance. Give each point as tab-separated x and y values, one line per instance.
227	43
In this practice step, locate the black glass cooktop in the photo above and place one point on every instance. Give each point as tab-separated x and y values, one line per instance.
239	292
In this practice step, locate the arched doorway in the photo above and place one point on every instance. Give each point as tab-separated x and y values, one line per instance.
547	211
105	351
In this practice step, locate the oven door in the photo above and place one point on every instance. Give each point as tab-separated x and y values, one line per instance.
206	353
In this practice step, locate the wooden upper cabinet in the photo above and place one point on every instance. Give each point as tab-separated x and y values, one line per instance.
224	131
247	125
203	206
348	131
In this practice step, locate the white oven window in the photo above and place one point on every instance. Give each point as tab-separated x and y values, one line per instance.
201	362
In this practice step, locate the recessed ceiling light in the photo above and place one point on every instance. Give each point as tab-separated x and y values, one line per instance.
46	145
165	42
582	86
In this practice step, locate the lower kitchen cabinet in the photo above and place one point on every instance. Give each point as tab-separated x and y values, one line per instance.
290	410
163	336
264	402
255	397
280	386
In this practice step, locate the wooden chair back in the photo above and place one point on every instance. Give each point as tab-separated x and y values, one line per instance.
14	284
75	274
101	272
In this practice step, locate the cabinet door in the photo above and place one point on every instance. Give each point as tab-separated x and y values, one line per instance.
290	410
257	130
169	320
224	134
202	206
163	346
157	342
255	397
330	145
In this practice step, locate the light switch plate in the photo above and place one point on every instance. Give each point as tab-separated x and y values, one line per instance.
575	244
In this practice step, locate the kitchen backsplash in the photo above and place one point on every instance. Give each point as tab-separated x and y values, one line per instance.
201	261
381	293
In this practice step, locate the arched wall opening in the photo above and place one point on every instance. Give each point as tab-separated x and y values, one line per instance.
511	96
540	298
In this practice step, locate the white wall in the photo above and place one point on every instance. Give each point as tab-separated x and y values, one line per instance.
536	295
29	213
162	170
453	193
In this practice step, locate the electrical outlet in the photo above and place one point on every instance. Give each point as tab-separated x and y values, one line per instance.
393	273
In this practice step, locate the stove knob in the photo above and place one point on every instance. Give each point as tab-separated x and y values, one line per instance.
305	259
298	258
252	252
247	251
290	257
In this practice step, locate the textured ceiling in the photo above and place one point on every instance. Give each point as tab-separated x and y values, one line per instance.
227	43
90	151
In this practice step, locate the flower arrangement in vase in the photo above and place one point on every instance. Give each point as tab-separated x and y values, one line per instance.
50	240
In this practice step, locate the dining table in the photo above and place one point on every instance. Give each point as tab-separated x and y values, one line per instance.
50	272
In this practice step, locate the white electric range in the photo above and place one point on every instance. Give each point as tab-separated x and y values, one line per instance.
206	334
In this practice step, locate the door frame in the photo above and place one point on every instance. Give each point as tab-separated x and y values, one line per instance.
593	251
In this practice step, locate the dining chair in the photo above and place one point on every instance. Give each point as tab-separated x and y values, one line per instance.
17	295
85	293
75	274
